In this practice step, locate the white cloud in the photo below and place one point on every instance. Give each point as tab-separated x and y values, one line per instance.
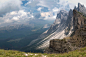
7	21
47	16
50	18
22	13
53	6
15	13
53	3
9	5
39	9
55	9
32	3
16	17
44	14
42	3
77	1
50	4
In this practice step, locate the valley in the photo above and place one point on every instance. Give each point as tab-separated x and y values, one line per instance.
42	28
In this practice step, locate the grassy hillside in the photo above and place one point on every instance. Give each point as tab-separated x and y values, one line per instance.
11	53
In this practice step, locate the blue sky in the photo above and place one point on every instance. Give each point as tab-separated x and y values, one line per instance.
24	2
21	11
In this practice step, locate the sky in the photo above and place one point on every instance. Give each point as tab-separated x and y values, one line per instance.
21	11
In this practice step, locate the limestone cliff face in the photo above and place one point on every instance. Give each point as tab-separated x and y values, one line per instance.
81	8
60	19
78	19
78	39
69	22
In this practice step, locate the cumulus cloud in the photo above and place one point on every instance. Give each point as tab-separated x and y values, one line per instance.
59	4
53	3
75	2
13	11
55	9
47	16
38	15
52	7
44	14
32	3
7	21
39	9
9	5
16	17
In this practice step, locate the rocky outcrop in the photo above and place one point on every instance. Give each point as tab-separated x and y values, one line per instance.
78	19
60	46
78	39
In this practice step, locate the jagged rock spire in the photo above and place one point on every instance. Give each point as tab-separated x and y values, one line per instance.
81	8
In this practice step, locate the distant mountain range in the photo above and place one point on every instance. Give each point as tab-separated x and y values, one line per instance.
17	36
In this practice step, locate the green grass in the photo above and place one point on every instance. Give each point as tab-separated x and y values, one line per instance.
80	13
11	53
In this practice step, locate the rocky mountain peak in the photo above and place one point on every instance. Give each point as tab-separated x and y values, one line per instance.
77	41
76	23
63	27
60	19
81	8
61	14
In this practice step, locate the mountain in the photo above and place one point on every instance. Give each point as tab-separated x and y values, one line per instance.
65	28
17	36
57	28
77	22
76	41
25	38
62	27
16	30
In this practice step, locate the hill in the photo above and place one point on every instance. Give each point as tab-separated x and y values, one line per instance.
12	53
